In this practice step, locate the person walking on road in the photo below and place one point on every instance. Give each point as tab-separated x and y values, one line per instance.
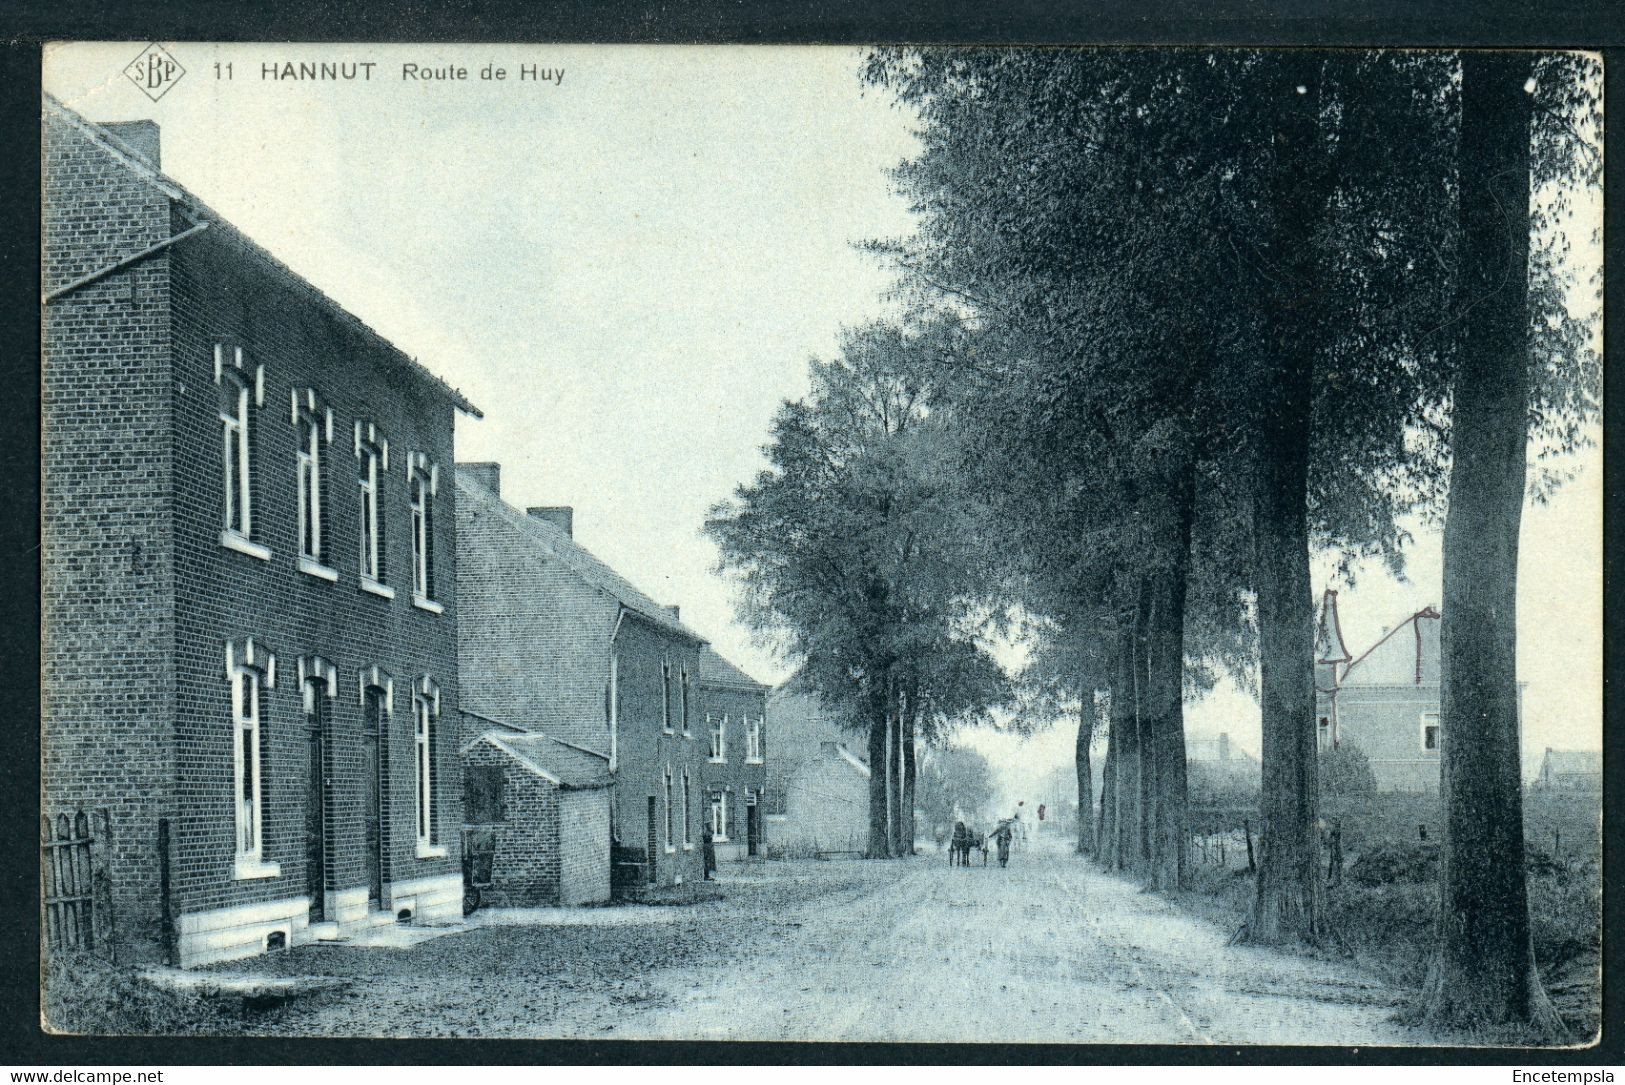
1002	836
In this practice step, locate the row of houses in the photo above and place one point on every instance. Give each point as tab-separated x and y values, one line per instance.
306	672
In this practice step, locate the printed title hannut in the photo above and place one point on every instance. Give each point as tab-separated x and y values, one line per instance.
363	70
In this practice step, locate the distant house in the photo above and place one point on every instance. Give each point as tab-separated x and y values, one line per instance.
817	787
560	646
1217	770
734	777
1570	770
1385	701
537	812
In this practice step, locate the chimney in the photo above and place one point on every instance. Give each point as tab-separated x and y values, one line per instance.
1224	745
675	612
562	517
141	137
487	476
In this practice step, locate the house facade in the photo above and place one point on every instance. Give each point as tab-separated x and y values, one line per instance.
1384	701
817	786
556	643
735	771
250	623
1570	770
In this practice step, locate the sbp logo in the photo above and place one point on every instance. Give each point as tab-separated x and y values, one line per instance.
154	71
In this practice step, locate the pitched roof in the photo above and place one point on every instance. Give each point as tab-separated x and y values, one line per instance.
551	541
1569	761
717	671
1391	660
569	766
198	210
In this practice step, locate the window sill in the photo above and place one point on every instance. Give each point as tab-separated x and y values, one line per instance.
688	847
667	731
754	761
719	840
431	851
688	734
383	591
717	761
318	570
427	604
670	850
233	541
248	867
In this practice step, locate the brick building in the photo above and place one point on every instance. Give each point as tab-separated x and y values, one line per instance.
537	811
554	642
817	787
735	772
249	570
1385	701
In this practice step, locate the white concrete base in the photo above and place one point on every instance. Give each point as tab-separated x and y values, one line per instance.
226	934
242	930
437	899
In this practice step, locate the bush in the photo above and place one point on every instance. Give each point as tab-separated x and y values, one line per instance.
1392	864
1345	772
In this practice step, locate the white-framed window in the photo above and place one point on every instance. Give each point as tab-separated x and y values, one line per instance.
688	815
242	388
719	816
614	708
665	695
684	685
1430	732
753	740
250	670
670	842
424	483
372	456
425	724
718	726
314	425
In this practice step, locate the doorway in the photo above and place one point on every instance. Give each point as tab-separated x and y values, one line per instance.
654	840
315	803
372	804
753	826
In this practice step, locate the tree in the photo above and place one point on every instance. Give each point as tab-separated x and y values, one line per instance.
955	783
1484	972
848	549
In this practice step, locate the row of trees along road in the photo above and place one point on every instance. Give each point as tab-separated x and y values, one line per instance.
1174	320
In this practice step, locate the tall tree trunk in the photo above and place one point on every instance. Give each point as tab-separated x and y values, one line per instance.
1484	973
1106	823
910	771
1126	782
1145	739
1165	681
879	704
1288	901
1086	780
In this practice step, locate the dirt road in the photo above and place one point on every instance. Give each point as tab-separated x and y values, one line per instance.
1046	950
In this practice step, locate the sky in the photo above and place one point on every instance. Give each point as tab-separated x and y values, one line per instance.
628	264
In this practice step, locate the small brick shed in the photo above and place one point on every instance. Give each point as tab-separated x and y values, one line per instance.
544	805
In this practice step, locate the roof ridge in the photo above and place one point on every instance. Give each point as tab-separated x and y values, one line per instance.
180	193
597	573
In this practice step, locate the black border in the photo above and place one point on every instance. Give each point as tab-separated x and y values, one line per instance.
1504	23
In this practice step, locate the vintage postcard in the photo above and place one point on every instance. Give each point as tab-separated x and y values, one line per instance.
822	543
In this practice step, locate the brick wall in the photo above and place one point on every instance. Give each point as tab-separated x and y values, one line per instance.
525	868
140	597
735	775
108	580
222	288
645	750
534	637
